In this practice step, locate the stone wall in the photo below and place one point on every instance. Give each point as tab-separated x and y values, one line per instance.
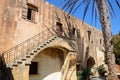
15	28
47	63
7	25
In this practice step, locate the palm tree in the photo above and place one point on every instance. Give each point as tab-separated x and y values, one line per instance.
104	9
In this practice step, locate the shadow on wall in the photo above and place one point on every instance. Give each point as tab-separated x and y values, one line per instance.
5	73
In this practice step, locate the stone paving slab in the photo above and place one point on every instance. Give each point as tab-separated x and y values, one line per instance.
98	78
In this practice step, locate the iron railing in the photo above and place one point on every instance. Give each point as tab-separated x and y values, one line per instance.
25	47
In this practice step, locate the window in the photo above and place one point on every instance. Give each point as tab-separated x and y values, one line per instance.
100	41
74	31
33	68
58	28
89	33
29	12
59	25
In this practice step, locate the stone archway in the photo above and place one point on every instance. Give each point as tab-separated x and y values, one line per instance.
48	61
90	62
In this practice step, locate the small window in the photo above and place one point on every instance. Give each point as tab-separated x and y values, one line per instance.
89	34
29	12
33	68
74	31
58	28
100	41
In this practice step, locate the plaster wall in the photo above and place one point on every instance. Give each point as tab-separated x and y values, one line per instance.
49	62
14	29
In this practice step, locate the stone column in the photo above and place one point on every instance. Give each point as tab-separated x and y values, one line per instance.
72	68
73	58
21	72
26	72
69	67
15	72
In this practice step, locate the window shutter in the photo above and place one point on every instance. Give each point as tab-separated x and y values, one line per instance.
24	12
33	15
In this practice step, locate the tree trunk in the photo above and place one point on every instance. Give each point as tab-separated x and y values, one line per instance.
107	35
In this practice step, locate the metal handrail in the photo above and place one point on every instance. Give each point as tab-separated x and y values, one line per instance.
26	46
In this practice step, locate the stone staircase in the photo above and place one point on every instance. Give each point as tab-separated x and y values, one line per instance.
26	50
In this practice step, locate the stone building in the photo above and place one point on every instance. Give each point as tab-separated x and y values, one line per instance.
38	40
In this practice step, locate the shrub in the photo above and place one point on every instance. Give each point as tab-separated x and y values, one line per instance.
101	70
83	74
79	75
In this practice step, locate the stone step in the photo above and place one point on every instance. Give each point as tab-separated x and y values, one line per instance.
23	59
19	61
31	53
44	44
50	40
27	56
15	64
53	38
38	48
35	50
47	42
28	63
41	46
9	66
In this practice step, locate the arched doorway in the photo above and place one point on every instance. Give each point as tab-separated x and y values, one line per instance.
90	62
47	62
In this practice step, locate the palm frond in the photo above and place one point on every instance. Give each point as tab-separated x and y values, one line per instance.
69	5
73	5
95	16
77	7
111	10
86	8
93	11
118	3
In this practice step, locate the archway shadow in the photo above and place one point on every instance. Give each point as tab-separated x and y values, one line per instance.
5	73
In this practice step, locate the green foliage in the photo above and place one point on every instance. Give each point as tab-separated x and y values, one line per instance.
83	75
116	48
79	75
86	73
101	69
106	58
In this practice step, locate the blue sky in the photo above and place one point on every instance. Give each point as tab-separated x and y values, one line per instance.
115	21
